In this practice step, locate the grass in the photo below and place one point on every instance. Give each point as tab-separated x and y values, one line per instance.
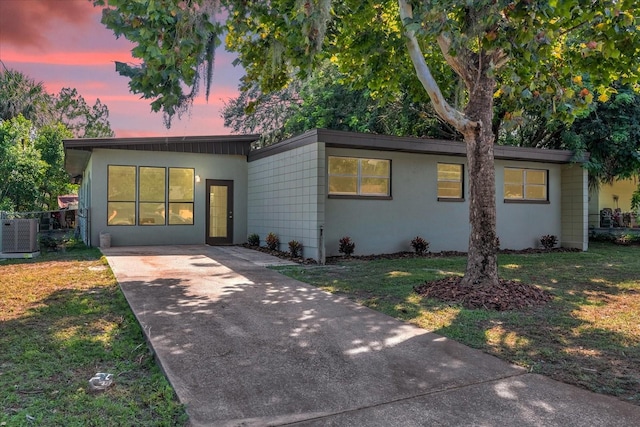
589	335
63	319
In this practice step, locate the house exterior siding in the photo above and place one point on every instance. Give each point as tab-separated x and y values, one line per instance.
284	189
385	226
574	212
603	197
207	166
520	225
286	197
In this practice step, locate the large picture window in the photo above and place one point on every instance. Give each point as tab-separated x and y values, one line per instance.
121	198
181	190
143	195
152	189
350	176
525	184
450	181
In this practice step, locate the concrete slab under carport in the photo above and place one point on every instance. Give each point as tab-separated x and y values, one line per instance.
244	345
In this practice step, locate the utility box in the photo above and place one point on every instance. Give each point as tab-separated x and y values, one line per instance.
19	235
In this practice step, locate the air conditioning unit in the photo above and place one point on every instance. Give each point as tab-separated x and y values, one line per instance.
20	235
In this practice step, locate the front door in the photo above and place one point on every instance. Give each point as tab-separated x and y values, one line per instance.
219	212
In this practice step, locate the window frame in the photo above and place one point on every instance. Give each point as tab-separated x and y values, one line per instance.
191	202
461	181
524	184
110	200
137	202
151	202
359	178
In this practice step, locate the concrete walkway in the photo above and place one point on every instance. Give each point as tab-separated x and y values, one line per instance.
245	346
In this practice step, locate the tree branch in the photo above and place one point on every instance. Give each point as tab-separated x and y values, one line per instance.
454	61
440	104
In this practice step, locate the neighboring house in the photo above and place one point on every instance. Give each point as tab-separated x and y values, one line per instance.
315	188
616	195
68	201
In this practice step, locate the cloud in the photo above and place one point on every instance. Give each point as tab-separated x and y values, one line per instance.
23	23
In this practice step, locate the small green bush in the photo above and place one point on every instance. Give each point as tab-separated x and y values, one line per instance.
419	245
272	241
628	239
295	248
253	240
602	237
347	246
549	241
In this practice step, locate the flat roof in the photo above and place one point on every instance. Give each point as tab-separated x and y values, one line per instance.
78	151
367	141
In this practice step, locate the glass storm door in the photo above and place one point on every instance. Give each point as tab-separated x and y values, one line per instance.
219	212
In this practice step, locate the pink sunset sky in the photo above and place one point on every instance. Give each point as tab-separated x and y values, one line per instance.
63	44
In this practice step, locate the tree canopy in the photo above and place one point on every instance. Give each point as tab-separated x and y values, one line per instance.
327	100
527	52
33	124
20	94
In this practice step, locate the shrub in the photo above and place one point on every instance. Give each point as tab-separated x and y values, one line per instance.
602	237
419	245
628	239
49	242
295	248
548	241
253	240
272	241
347	246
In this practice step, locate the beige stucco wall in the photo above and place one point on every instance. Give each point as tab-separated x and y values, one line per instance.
603	197
286	197
207	166
384	226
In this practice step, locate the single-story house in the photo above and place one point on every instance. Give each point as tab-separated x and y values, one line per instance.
382	191
613	196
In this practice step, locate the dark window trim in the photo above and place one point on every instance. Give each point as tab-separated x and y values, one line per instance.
135	201
462	182
528	201
524	184
361	196
451	199
169	202
140	202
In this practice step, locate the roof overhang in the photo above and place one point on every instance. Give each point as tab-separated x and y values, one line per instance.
365	141
78	151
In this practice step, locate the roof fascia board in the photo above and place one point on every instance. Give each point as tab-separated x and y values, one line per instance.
107	142
365	141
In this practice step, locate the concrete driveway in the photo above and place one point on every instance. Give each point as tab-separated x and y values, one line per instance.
245	346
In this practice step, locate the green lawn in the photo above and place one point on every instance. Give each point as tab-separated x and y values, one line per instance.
62	320
589	335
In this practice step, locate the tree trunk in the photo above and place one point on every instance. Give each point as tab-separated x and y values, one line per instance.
482	262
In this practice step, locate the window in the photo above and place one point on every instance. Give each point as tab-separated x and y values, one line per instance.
151	191
349	176
150	199
181	189
525	184
450	179
121	198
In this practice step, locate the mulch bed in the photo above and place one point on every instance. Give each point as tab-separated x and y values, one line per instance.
508	295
